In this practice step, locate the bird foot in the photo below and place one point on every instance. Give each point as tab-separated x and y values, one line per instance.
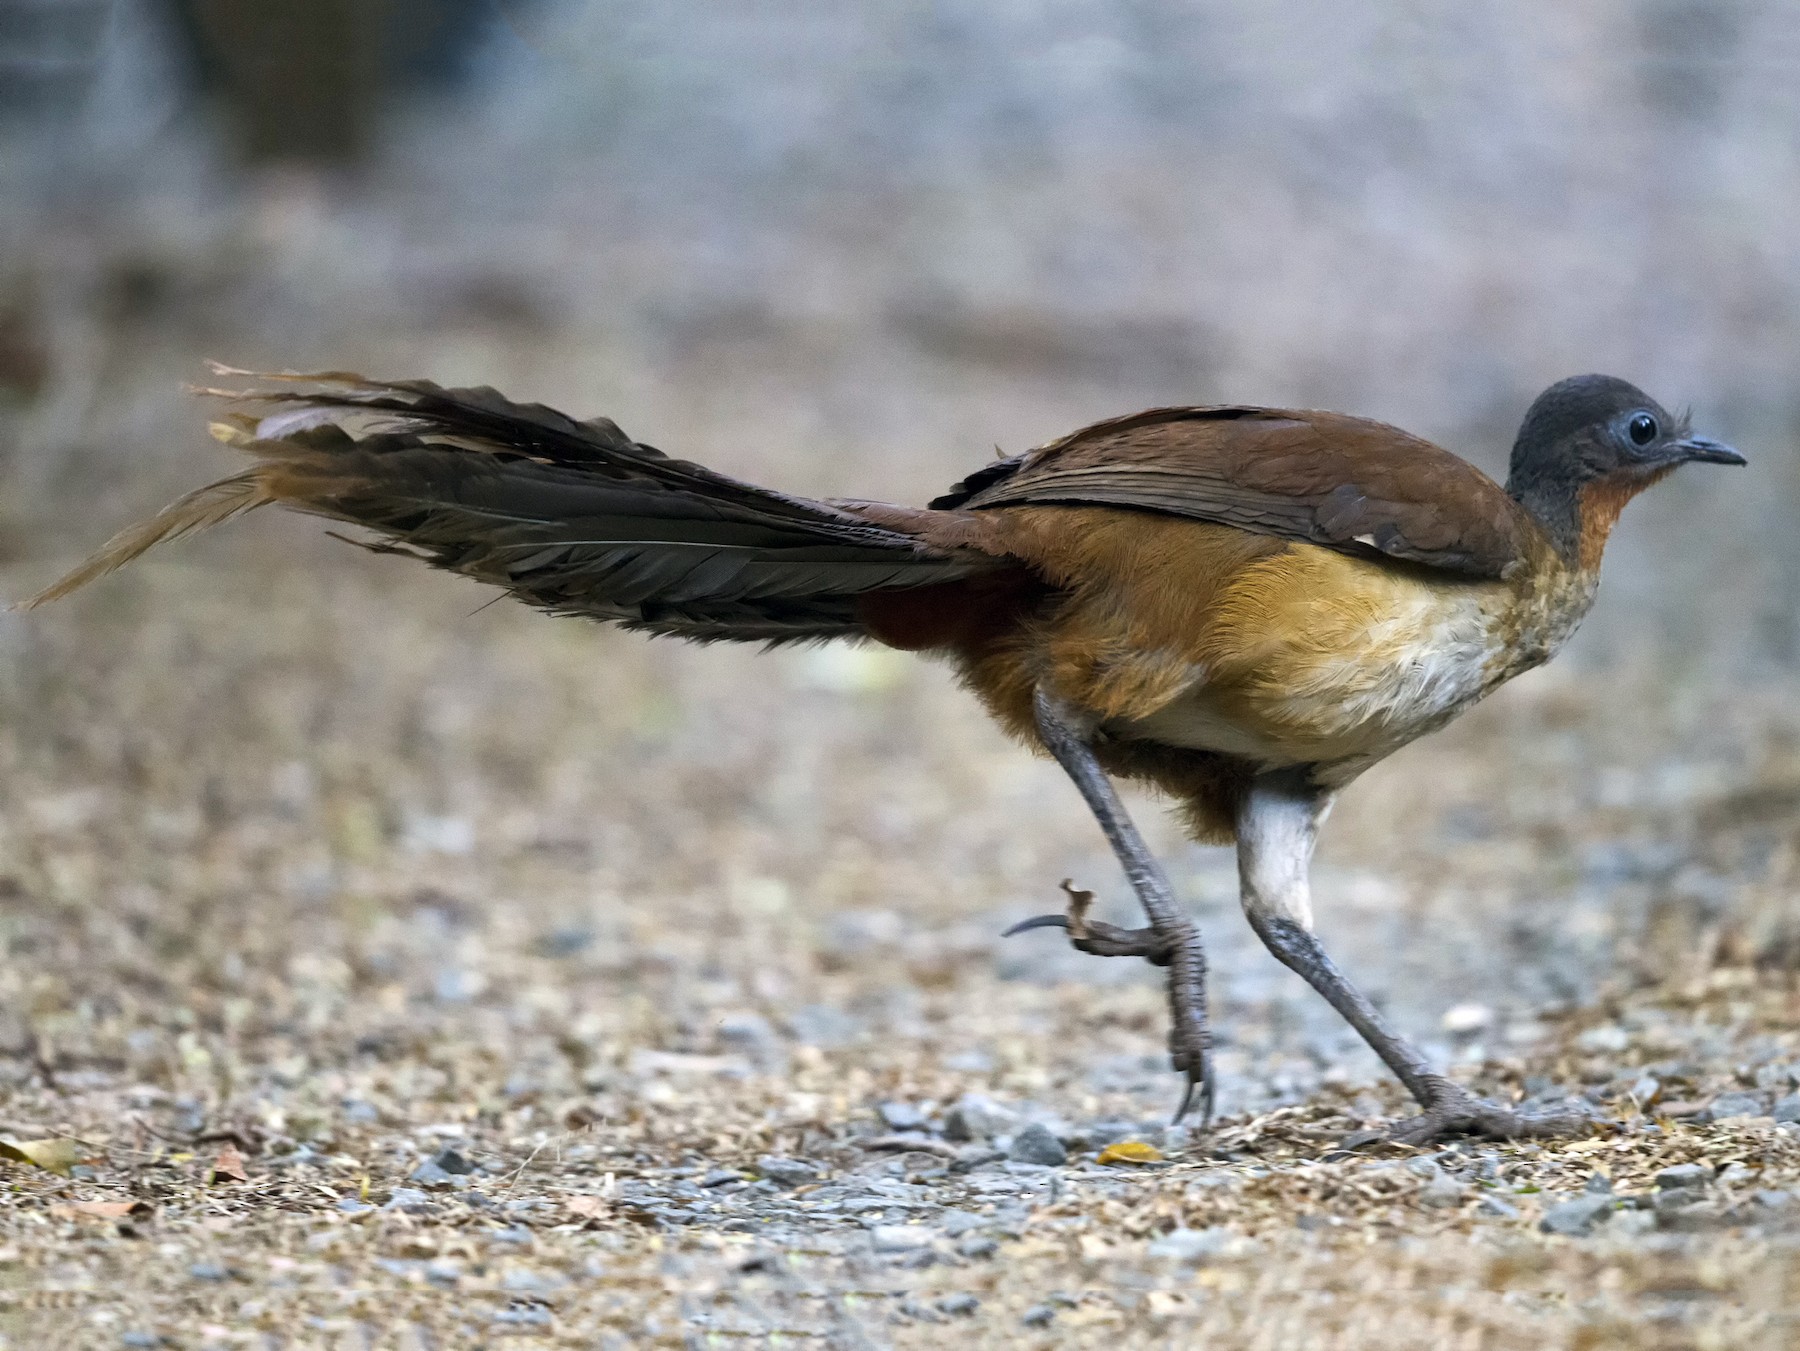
1452	1110
1190	1038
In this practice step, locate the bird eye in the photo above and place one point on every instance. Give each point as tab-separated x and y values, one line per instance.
1642	429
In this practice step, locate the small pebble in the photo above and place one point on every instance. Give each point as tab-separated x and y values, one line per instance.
1579	1217
959	1305
454	1164
1493	1207
786	1172
351	1205
718	1177
1036	1145
410	1200
524	1315
1191	1245
1038	1316
977	1246
892	1238
143	1339
1670	1199
903	1116
1599	1184
1683	1175
208	1271
1730	1106
1774	1200
974	1116
429	1174
1788	1109
1441	1193
1462	1020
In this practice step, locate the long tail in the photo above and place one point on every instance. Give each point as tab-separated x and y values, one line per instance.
572	517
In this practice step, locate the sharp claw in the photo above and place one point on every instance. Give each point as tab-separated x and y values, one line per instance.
1187	1100
1038	922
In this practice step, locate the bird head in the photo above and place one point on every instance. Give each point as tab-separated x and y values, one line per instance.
1591	443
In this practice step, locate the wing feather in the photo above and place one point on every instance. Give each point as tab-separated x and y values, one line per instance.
1349	484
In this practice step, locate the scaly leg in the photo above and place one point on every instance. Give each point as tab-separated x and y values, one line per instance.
1171	940
1277	829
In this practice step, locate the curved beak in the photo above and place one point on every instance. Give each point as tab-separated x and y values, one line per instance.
1702	450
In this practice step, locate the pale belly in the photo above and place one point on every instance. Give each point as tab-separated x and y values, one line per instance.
1357	692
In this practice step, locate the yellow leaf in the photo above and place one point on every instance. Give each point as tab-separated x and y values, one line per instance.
57	1155
1131	1151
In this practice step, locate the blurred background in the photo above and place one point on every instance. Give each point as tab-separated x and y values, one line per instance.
850	250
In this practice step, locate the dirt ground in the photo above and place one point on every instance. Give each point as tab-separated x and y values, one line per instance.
386	970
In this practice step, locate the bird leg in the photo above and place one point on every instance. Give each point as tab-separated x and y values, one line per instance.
1172	940
1277	828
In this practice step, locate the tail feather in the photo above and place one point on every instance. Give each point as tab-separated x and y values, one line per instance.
572	517
201	509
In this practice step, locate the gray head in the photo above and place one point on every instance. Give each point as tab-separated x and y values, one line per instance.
1598	429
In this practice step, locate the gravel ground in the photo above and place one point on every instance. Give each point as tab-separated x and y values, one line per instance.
387	971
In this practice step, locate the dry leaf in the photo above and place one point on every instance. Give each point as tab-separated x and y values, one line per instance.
228	1167
1130	1151
56	1155
101	1210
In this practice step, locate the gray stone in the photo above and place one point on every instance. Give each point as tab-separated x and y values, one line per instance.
409	1200
1038	1316
350	1205
900	1238
720	1177
453	1163
1494	1208
959	1305
1598	1184
1670	1199
786	1172
977	1246
209	1271
1441	1193
956	1223
1632	1223
1729	1106
429	1174
525	1315
1788	1109
823	1026
1577	1218
1191	1245
1036	1145
903	1116
975	1116
1683	1175
1774	1200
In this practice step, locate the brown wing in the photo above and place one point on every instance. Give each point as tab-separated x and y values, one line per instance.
1345	483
